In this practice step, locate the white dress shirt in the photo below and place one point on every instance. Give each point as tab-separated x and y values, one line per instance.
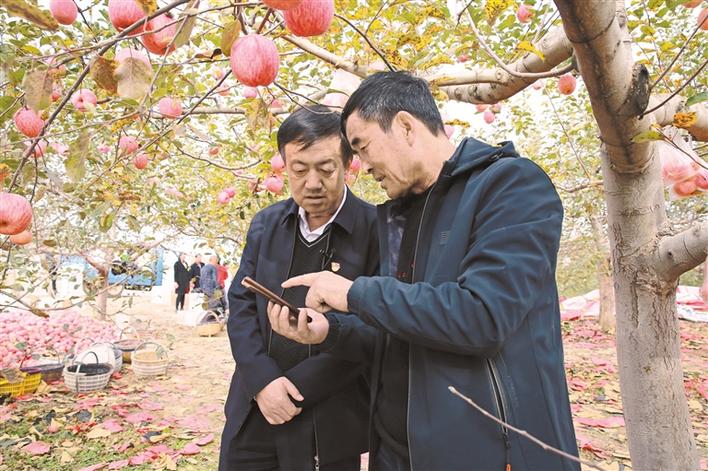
312	235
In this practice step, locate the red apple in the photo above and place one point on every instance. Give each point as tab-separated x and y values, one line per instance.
449	130
84	99
701	179
277	164
692	3
538	84
39	149
64	11
685	188
15	213
703	19
127	52
140	161
524	13
310	17
104	149
128	144
274	184
22	238
462	58
255	60
489	116
480	107
566	84
160	42
231	191
223	198
124	13
56	94
28	122
250	92
355	166
214	150
281	4
496	108
169	107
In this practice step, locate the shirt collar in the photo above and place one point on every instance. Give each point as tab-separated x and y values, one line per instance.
305	227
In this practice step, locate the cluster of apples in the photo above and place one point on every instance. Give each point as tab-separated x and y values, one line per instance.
23	334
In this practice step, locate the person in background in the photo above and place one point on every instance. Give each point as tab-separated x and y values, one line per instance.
181	271
222	273
209	283
195	271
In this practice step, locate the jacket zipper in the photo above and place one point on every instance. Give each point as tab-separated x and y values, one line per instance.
415	256
314	425
499	400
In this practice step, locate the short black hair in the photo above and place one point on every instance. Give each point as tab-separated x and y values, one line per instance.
309	124
382	95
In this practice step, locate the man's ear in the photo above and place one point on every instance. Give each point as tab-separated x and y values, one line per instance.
406	123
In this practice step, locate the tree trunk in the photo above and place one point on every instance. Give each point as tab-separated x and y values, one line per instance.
604	277
102	300
651	379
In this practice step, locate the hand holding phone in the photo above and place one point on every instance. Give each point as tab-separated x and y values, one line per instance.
252	285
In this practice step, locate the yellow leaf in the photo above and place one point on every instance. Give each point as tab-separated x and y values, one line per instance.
133	77
102	72
65	457
685	120
528	47
229	35
38	86
30	12
148	6
98	432
494	8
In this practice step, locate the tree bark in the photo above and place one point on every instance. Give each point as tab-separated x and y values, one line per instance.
604	277
648	342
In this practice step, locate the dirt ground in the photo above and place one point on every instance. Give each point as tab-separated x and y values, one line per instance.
144	424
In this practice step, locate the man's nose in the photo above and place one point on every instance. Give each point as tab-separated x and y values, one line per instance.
313	181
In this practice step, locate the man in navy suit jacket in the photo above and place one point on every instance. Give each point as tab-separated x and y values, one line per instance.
290	406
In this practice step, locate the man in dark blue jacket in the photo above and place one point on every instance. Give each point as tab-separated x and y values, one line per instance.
466	298
290	406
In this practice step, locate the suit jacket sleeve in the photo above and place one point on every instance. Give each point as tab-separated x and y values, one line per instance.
508	261
243	327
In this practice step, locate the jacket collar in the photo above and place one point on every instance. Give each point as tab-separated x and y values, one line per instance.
345	219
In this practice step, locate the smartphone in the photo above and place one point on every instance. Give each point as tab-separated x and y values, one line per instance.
252	285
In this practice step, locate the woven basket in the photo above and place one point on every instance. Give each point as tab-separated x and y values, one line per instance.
28	384
127	346
149	362
84	377
50	371
210	325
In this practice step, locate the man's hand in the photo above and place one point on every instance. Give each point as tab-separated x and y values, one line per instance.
274	402
308	333
327	290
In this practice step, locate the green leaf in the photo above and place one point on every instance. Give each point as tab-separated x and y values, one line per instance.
228	36
49	243
186	24
75	164
106	221
133	77
31	13
646	136
38	89
700	98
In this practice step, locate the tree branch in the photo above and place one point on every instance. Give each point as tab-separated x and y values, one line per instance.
493	85
327	56
681	252
523	433
664	115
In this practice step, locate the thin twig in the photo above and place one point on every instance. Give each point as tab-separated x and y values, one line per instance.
368	41
671	64
567	136
523	433
695	74
507	69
